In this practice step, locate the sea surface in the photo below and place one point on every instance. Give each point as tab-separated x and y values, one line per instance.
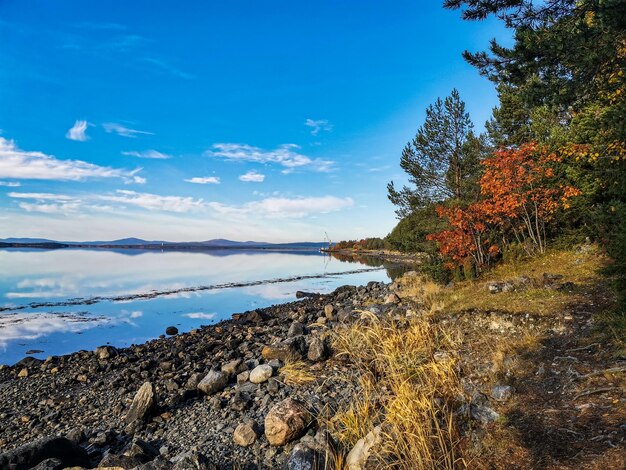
55	302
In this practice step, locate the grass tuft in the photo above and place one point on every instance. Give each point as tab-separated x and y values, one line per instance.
297	372
409	384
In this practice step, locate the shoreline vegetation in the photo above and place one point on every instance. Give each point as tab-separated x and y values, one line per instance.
509	371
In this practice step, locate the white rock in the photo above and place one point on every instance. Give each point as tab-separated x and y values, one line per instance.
261	374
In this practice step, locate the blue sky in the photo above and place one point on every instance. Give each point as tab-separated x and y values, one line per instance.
248	120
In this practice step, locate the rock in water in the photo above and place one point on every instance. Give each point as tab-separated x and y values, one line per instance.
215	381
286	421
171	330
143	404
261	374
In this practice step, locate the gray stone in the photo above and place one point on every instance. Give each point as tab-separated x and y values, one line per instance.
243	377
296	329
303	457
215	381
143	404
317	350
502	392
483	413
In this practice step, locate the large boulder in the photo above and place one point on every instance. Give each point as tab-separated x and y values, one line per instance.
31	454
215	381
143	404
286	421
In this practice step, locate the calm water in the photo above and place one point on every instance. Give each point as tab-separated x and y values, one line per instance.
88	294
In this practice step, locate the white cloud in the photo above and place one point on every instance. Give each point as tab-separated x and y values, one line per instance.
21	164
285	155
204	180
54	208
318	125
42	196
200	315
252	177
152	154
119	129
32	325
154	202
64	204
283	207
78	131
10	184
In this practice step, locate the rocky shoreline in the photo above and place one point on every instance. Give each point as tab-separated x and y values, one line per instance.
532	388
212	397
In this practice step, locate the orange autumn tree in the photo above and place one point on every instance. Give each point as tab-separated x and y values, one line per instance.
520	196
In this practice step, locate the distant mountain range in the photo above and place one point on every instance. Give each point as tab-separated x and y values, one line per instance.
218	243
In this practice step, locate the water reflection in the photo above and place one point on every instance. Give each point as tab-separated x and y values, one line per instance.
64	300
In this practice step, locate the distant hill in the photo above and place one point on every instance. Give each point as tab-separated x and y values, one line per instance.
133	242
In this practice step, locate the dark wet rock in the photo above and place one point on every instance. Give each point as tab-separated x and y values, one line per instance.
33	351
31	454
301	294
143	404
253	316
31	362
171	330
286	421
215	381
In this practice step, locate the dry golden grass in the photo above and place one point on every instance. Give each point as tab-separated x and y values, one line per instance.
581	268
297	372
408	385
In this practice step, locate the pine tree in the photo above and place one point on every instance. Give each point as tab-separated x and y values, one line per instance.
438	160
